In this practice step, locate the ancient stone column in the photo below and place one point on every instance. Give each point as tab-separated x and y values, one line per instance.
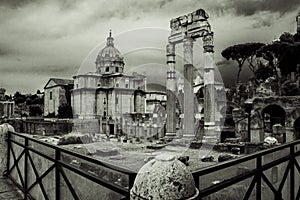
209	90
189	112
171	89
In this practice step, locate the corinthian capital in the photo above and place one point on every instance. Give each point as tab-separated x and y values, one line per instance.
208	42
170	49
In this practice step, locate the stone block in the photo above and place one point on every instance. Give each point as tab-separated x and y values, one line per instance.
164	177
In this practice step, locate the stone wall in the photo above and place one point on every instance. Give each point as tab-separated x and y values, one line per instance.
42	127
291	107
85	188
58	98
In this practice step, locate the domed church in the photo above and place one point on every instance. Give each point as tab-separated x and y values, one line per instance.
100	99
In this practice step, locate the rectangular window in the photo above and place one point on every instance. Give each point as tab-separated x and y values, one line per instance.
117	69
107	69
117	100
50	95
126	83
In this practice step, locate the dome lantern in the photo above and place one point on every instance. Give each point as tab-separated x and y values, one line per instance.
110	40
109	59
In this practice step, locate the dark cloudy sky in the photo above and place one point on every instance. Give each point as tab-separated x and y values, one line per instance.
40	39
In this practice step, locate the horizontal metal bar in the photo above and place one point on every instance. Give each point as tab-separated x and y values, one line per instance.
83	157
210	169
98	162
97	180
71	167
226	183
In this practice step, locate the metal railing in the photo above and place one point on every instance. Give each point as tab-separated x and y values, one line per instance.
21	168
21	161
260	180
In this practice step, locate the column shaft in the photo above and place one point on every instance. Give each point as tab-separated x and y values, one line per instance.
210	134
189	111
171	89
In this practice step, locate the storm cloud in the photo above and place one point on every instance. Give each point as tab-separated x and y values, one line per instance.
52	38
252	7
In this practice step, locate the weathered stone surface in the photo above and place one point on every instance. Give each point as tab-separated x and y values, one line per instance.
4	128
207	159
164	177
184	160
107	152
225	157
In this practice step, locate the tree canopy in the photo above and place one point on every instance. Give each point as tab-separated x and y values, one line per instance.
242	53
282	55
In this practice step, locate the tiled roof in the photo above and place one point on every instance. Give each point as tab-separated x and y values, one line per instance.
60	81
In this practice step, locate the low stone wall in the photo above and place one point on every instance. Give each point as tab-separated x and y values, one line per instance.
86	125
42	127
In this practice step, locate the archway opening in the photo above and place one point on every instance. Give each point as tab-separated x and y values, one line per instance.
273	114
227	122
297	129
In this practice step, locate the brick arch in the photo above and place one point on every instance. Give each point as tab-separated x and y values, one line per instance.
273	114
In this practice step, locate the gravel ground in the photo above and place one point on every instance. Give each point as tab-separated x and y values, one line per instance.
134	155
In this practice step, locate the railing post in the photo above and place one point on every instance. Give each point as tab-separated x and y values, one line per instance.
57	174
131	180
26	169
196	179
292	172
258	183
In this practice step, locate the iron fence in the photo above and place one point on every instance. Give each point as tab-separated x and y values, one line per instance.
59	160
258	177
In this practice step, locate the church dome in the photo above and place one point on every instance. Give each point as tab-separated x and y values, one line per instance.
109	59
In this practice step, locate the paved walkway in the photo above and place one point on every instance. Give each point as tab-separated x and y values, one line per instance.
8	191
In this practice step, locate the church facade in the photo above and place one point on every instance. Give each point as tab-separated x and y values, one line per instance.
104	96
